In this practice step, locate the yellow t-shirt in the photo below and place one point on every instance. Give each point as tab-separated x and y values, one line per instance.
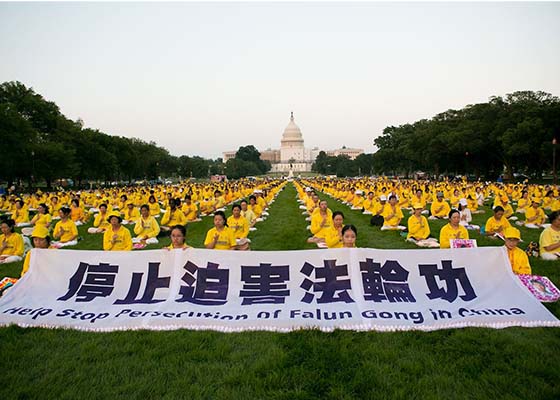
392	217
14	245
549	236
239	226
123	240
226	239
519	261
418	229
493	226
71	231
440	209
333	238
317	228
148	227
448	232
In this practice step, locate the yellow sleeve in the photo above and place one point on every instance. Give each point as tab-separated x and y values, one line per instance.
209	237
155	228
107	236
332	239
522	265
127	240
444	238
245	231
26	264
138	227
166	217
231	238
316	221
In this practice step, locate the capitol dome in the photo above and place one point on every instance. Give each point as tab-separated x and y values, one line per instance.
292	133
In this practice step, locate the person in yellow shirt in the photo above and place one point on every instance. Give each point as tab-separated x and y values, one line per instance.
369	204
419	229
392	216
497	224
11	243
155	209
41	240
117	237
131	214
65	231
255	207
549	241
333	236
220	237
534	216
173	216
77	213
249	215
439	208
524	203
100	222
240	227
517	258
42	218
178	235
21	214
190	209
146	228
321	222
453	230
358	201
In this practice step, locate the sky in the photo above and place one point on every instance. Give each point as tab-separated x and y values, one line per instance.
203	78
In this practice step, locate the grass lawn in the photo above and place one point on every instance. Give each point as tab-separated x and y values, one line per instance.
472	363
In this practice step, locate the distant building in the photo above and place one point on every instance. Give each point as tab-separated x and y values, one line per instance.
292	155
352	153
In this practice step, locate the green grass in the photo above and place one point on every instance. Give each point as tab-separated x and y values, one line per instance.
513	363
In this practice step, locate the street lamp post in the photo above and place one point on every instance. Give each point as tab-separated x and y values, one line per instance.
555	178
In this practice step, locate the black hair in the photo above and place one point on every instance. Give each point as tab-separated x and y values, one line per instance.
498	209
65	210
233	207
553	215
181	228
223	215
11	224
334	214
350	227
453	211
45	207
147	207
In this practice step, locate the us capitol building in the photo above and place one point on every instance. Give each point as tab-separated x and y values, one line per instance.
293	156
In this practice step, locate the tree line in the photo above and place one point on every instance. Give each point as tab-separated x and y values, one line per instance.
41	144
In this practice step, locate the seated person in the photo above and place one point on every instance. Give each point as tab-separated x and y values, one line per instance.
249	215
240	227
173	216
439	208
518	258
11	243
65	231
534	216
41	240
220	237
419	229
100	222
117	237
131	214
453	230
190	209
321	221
392	215
178	235
497	224
333	236
146	228
549	241
21	214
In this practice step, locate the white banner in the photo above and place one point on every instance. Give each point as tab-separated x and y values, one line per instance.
358	289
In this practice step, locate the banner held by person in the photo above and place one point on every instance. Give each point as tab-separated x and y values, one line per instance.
357	289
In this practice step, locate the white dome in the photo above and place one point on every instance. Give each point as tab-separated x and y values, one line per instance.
292	131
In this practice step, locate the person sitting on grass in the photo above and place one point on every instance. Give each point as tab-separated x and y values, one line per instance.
178	236
146	228
349	236
65	231
131	214
42	218
534	216
466	216
240	227
249	215
117	237
220	237
497	224
321	222
21	214
333	236
517	258
41	240
11	243
392	216
453	230
100	222
439	208
549	241
77	213
173	216
419	229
